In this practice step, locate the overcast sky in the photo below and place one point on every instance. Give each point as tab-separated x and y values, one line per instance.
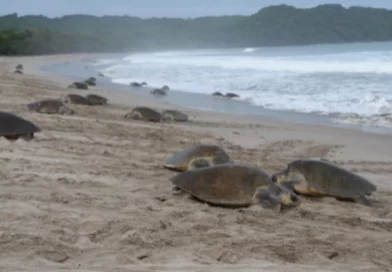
162	8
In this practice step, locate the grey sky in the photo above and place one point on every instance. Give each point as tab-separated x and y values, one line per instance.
163	8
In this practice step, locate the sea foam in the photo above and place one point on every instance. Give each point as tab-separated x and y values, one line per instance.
328	80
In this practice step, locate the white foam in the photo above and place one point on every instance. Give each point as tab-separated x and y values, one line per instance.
319	80
249	50
371	121
359	62
103	62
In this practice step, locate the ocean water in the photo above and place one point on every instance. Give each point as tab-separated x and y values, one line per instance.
350	83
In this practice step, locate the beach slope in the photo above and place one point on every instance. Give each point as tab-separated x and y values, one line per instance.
90	193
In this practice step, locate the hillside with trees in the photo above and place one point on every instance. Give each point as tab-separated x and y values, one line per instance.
271	26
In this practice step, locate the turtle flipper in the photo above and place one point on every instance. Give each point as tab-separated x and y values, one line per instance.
11	138
369	202
27	137
177	191
200	162
362	200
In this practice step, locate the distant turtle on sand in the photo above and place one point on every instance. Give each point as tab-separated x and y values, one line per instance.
231	95
158	92
235	186
320	178
78	85
97	99
174	115
145	114
19	67
13	127
198	156
77	100
217	94
137	84
18	71
50	106
91	81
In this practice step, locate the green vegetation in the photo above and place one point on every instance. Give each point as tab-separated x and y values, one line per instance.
271	26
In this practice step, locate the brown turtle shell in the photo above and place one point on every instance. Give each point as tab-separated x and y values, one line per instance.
231	185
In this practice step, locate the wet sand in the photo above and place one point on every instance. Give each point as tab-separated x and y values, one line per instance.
90	194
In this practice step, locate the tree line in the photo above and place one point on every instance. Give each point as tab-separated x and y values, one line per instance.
278	25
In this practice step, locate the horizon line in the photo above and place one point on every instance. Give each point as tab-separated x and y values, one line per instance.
191	17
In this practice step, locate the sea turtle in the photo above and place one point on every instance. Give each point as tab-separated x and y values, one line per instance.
97	99
13	127
144	113
217	94
19	67
198	156
174	115
78	85
158	92
50	106
136	84
165	88
234	185
77	100
231	95
312	177
91	81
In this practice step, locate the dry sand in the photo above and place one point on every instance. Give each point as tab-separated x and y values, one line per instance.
90	194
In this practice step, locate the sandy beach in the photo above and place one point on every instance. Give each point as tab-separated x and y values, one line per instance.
89	193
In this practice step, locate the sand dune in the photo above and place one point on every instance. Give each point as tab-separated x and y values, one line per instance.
90	193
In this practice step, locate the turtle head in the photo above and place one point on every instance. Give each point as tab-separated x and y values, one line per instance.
276	197
66	111
168	117
286	195
67	100
136	115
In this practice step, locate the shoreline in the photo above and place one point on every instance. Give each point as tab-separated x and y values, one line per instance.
90	193
197	101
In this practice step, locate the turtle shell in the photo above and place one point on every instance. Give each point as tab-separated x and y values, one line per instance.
326	178
14	125
50	105
147	114
158	92
96	99
78	100
175	115
181	160
79	85
230	185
